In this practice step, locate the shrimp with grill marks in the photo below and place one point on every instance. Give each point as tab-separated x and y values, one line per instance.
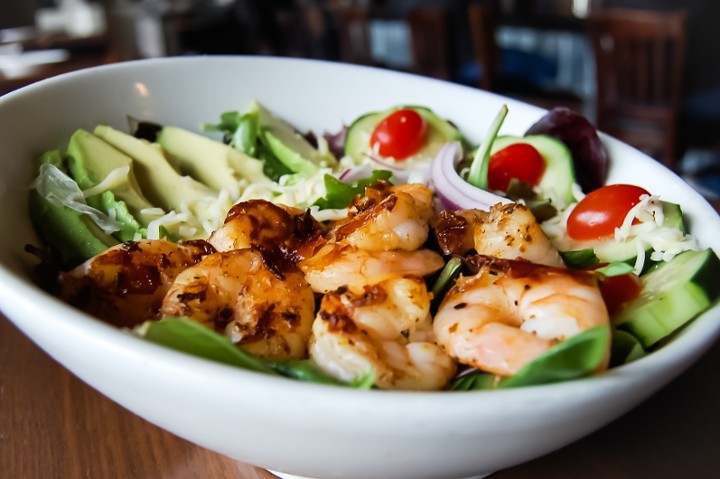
387	218
125	284
511	312
384	328
508	231
262	223
257	298
335	265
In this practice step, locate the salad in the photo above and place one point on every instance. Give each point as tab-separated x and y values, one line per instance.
391	254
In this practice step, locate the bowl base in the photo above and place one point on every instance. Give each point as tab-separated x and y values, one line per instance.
284	475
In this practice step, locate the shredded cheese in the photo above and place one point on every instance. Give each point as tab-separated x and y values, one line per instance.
648	232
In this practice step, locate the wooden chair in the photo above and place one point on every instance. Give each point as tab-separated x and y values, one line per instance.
429	41
485	49
639	60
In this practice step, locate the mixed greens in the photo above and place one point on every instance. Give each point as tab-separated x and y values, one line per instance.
160	181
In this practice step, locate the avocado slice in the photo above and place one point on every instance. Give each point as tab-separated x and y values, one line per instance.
288	145
212	162
91	159
74	235
160	182
440	132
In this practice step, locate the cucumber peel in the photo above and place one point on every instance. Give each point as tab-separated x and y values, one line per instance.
673	294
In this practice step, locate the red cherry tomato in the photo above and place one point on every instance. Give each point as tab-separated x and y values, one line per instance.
519	160
618	290
601	211
400	134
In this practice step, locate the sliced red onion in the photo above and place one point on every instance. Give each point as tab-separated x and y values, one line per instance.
356	173
453	191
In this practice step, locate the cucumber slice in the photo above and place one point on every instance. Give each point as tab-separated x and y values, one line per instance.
673	216
580	258
673	294
559	177
357	139
612	251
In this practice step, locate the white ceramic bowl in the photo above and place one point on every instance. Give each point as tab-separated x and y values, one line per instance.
306	429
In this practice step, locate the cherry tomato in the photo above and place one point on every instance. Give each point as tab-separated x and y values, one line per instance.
400	134
618	290
601	211
519	160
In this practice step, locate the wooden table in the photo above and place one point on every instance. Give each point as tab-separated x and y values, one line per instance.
54	426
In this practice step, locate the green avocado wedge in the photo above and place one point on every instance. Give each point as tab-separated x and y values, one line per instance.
93	162
209	161
73	234
287	145
162	184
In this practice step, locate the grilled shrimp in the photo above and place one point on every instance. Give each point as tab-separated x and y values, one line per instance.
335	265
510	312
384	328
387	218
262	223
257	299
125	284
507	231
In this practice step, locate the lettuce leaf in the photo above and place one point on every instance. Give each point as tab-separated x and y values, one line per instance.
339	194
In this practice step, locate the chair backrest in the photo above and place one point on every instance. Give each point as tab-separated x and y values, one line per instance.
639	66
354	36
429	41
485	48
639	60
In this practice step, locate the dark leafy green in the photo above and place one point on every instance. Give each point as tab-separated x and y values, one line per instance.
447	277
626	348
542	208
243	131
340	194
580	259
188	336
575	358
304	370
183	334
475	381
572	359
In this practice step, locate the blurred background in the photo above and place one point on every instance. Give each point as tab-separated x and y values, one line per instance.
654	84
